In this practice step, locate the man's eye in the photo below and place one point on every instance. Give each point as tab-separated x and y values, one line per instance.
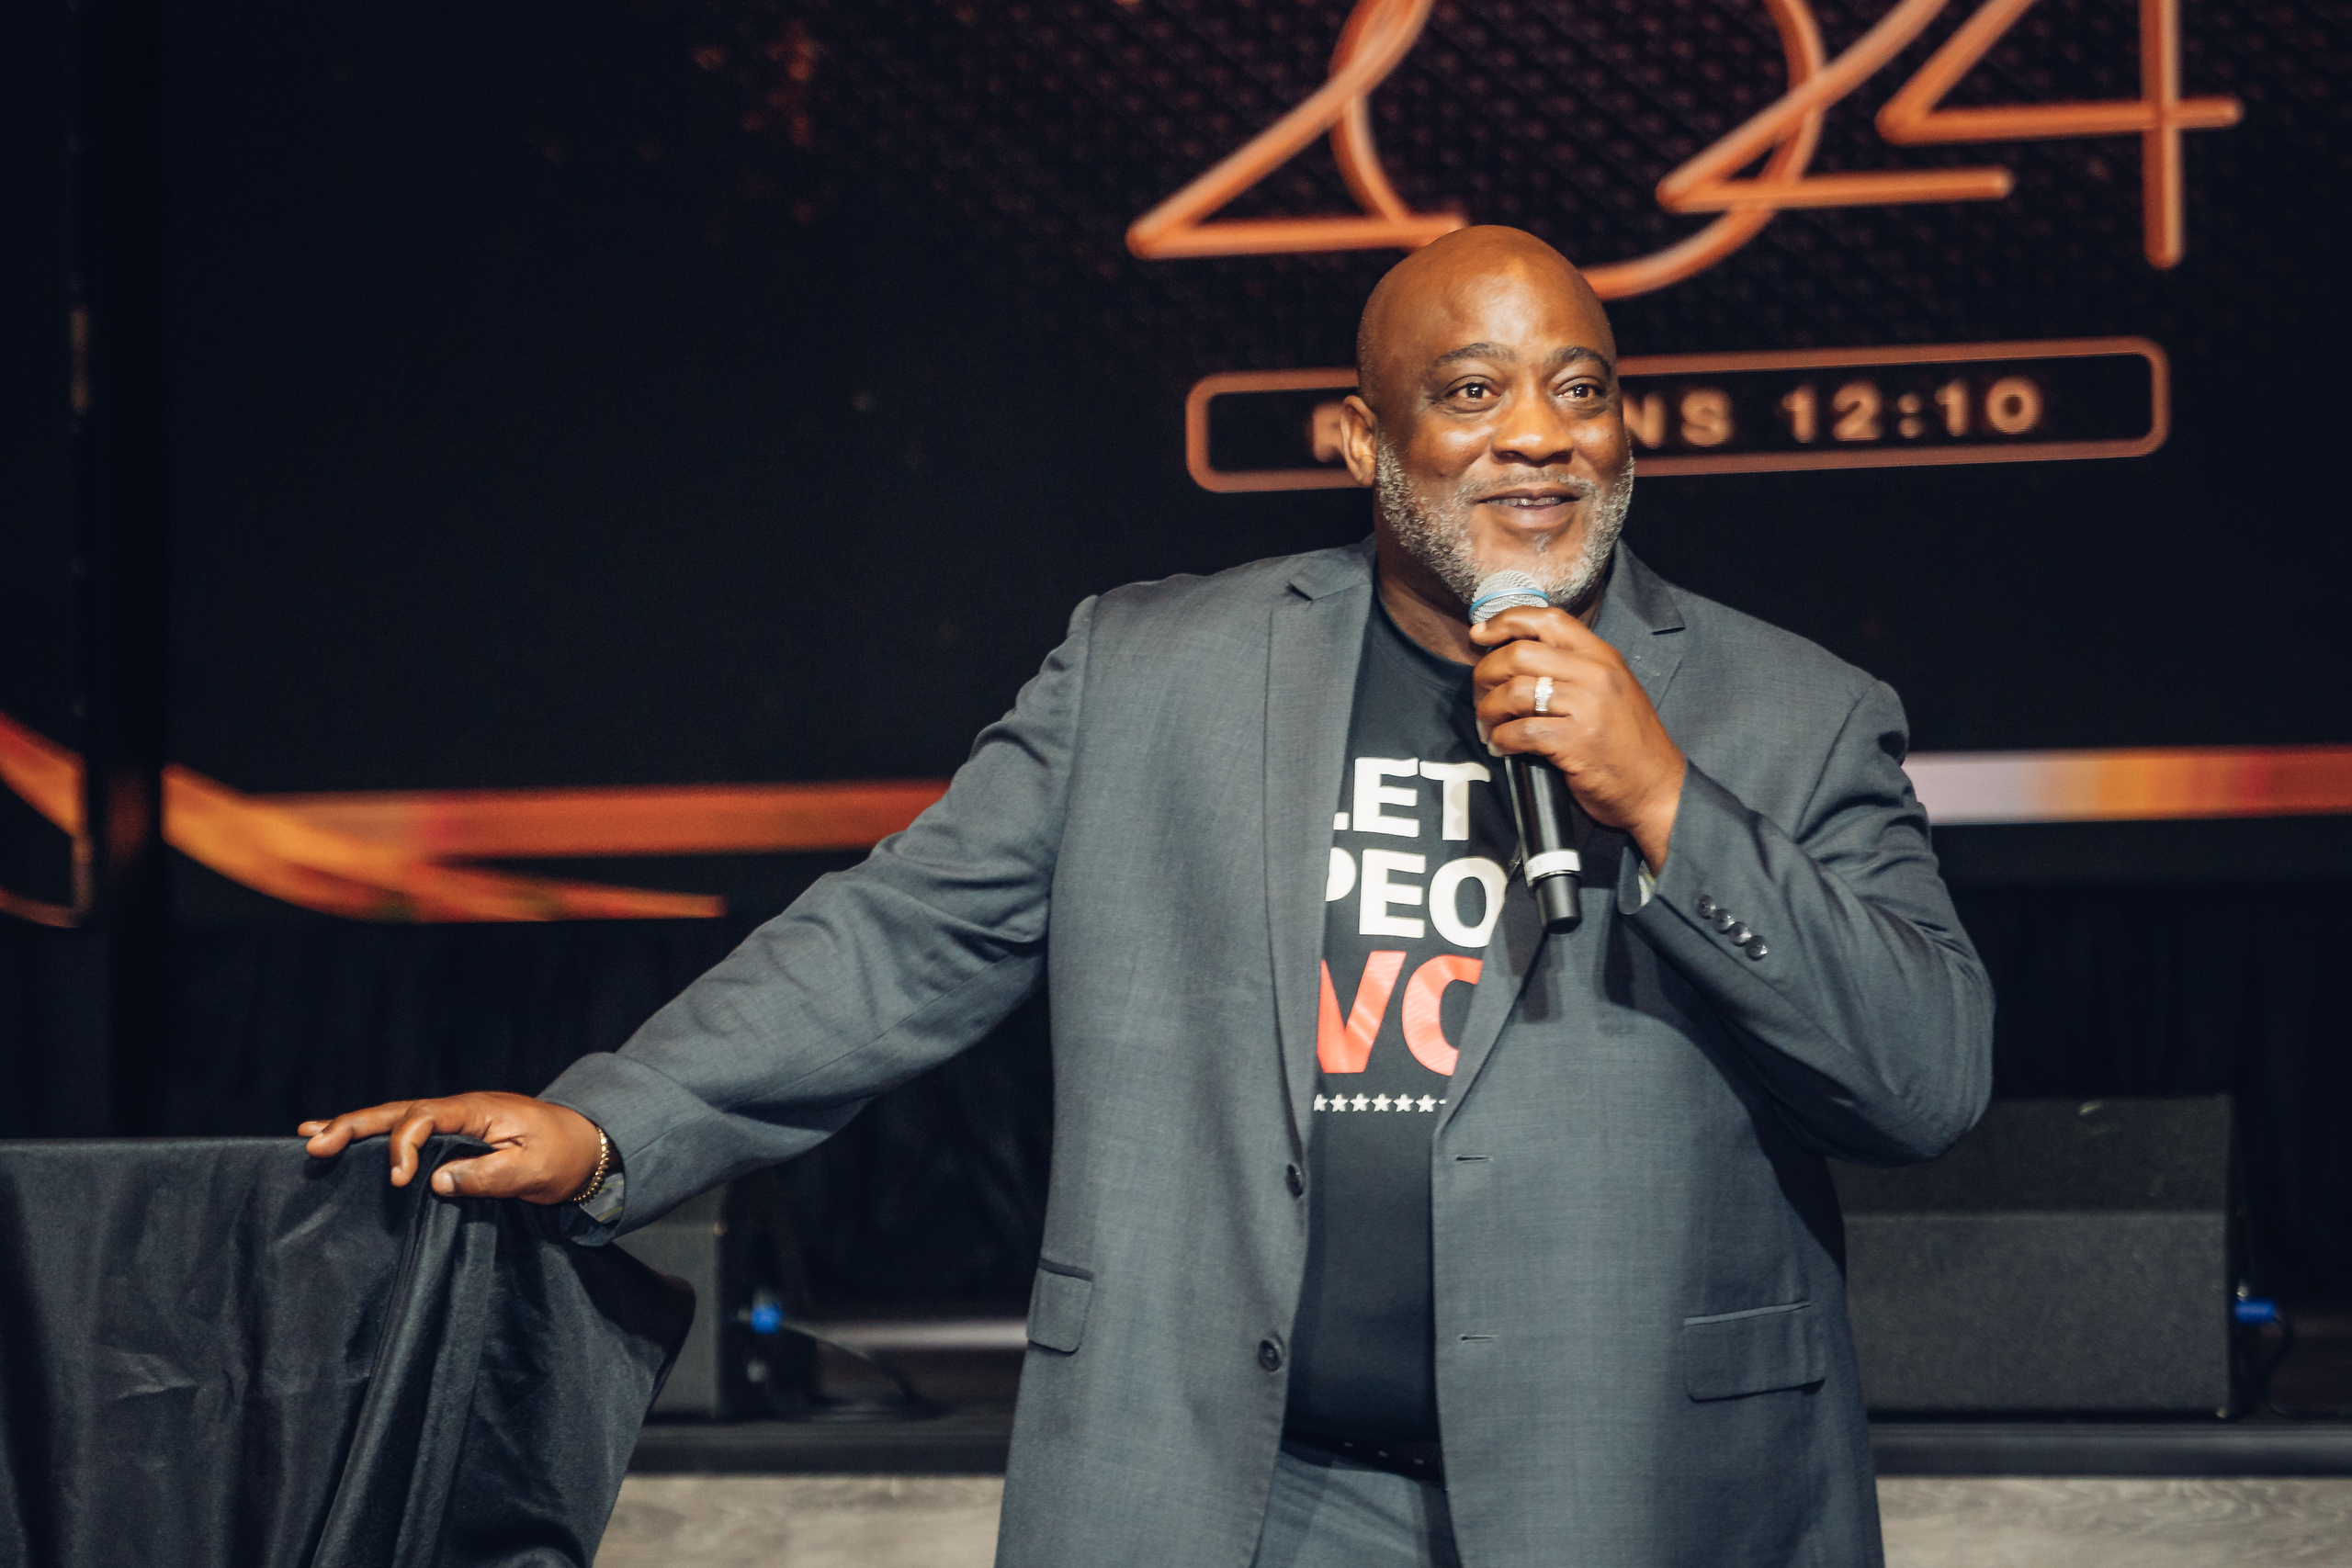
1474	391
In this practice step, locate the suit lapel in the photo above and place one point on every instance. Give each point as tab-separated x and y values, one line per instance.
1315	641
1635	616
1509	958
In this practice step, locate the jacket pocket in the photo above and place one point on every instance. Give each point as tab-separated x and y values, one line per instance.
1753	1351
1057	1305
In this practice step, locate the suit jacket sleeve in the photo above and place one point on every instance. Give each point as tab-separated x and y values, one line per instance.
871	976
1868	1016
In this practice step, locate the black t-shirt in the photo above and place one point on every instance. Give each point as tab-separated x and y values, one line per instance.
1421	841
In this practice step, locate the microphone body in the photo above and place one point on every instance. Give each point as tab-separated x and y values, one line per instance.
1539	795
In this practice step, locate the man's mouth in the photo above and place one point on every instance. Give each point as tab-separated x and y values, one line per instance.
1537	499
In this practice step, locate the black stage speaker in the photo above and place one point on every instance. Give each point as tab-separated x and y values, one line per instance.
732	1246
2066	1256
688	1244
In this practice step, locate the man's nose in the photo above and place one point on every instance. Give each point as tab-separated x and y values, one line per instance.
1532	430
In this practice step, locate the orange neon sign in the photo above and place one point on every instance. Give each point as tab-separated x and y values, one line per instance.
1842	424
1379	34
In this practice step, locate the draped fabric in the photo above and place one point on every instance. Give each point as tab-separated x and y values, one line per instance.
220	1353
935	1194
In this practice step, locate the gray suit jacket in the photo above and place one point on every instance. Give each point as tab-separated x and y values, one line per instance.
1642	1348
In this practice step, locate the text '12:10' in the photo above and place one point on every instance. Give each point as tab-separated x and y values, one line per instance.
1859	410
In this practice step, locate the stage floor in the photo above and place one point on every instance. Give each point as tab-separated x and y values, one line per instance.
976	1377
949	1522
924	1494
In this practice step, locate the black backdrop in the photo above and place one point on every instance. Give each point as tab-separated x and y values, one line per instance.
622	392
936	1193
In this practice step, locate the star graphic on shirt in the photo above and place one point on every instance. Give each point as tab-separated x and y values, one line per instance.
1319	1102
1362	1100
1380	1103
1427	1104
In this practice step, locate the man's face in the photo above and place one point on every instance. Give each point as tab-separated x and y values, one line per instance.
1500	444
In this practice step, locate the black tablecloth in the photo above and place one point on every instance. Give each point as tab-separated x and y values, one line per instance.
222	1352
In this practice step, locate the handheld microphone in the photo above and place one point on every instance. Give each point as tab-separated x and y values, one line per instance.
1539	795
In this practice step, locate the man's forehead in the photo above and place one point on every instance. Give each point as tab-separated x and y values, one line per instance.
1496	287
1508	354
1504	310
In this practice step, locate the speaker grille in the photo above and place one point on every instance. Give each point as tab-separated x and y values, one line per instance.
2063	1258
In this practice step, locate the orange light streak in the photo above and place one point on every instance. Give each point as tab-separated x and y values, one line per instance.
366	856
687	820
49	778
276	852
2133	784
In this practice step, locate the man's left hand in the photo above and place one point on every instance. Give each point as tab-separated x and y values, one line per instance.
1597	728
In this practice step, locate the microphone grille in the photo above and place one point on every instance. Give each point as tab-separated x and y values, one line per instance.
1506	591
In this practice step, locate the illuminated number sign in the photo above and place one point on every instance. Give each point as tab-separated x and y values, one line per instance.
1380	33
1722	414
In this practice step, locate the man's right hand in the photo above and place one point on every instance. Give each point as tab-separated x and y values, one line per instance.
541	1153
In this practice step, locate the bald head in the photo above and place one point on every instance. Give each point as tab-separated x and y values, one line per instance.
1456	278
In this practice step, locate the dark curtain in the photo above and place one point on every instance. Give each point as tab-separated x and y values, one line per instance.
935	1195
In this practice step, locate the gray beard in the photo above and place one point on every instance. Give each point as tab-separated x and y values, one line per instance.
1439	536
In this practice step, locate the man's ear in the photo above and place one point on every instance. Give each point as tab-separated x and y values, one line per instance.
1359	437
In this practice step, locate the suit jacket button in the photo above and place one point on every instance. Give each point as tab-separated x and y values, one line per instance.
1293	1180
1723	923
1756	948
1739	933
1269	1355
1706	908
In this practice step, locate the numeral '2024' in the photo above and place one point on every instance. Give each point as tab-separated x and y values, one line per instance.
1380	33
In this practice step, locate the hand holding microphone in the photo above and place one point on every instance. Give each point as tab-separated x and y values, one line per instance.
1597	731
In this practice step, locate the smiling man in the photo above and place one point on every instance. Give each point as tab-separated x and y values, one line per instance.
1384	1228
